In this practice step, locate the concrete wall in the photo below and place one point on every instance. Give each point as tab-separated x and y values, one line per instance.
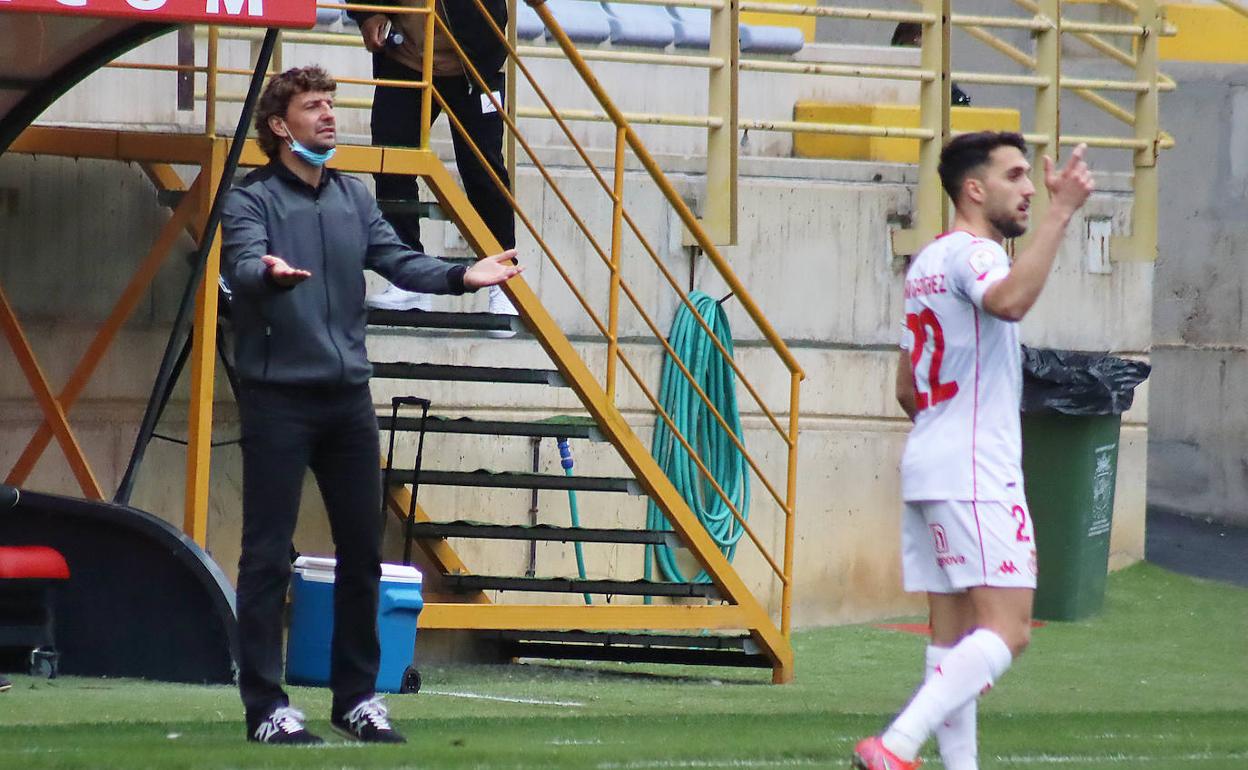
1198	463
813	249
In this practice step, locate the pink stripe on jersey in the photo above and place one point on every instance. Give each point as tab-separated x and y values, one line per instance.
975	411
983	559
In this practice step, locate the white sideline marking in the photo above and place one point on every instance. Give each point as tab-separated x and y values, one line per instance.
575	742
678	763
504	699
1061	759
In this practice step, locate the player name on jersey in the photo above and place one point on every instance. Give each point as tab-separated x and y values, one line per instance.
924	285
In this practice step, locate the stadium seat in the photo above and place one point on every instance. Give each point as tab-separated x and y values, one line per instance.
528	25
692	27
693	30
326	17
28	575
645	26
583	22
773	40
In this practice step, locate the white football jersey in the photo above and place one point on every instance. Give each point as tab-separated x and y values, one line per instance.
967	367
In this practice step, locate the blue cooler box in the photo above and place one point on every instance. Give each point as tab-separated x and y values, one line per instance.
312	623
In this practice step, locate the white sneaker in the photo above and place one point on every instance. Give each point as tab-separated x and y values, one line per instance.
501	305
394	298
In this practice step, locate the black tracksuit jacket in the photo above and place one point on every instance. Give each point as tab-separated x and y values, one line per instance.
312	334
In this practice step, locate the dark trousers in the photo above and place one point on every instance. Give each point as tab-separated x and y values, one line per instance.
396	123
333	431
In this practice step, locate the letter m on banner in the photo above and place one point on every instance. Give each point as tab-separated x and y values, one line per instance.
235	7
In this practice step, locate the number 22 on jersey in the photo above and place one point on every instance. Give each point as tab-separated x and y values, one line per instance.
920	325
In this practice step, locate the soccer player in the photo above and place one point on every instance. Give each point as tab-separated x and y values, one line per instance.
966	534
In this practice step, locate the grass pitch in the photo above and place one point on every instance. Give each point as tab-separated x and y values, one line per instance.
1159	681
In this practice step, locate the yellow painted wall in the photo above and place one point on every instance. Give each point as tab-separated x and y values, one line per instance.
812	145
1207	33
805	23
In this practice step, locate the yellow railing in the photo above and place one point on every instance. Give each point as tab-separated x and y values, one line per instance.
783	421
723	65
627	137
1047	24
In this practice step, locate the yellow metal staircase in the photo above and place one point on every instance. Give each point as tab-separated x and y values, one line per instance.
735	607
693	619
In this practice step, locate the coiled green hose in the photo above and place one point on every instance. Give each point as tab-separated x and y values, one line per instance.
700	428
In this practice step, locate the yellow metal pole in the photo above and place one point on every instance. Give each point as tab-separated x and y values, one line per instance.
1237	7
278	63
617	233
597	617
1048	44
719	215
1144	209
790	509
933	213
203	371
210	89
426	63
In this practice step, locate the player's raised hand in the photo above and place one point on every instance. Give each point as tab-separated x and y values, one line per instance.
282	273
492	271
1071	186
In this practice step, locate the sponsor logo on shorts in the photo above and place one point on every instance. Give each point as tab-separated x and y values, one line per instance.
938	537
1008	568
948	561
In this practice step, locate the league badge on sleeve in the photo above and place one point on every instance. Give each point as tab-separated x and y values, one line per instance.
981	261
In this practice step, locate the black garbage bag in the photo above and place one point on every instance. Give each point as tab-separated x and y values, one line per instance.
1078	383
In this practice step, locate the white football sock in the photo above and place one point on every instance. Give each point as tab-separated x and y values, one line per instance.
956	736
971	666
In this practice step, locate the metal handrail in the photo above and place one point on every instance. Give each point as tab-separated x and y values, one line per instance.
1043	75
617	117
834	12
623	357
624	133
1235	6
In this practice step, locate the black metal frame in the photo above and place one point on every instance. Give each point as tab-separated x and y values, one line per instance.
180	334
410	520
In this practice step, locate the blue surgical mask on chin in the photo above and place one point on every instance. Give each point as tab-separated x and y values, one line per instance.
311	157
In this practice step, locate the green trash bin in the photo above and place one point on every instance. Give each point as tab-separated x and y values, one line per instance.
1069	466
1072	415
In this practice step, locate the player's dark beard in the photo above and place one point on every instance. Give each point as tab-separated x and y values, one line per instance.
1008	227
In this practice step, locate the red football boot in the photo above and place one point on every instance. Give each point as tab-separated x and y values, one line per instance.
870	754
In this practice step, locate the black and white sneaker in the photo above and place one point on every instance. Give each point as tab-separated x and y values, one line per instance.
5	684
368	722
283	725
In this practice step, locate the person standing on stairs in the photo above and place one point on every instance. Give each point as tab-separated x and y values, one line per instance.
397	44
296	239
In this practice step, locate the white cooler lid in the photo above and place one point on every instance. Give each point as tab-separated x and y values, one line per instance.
321	570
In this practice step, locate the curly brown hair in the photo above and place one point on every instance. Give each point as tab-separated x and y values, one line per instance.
275	100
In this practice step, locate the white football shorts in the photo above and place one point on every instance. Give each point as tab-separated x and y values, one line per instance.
948	546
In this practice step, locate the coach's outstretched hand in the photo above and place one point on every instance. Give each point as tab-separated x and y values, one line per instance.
492	271
282	273
1071	186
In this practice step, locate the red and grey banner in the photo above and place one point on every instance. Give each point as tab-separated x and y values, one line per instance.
251	13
